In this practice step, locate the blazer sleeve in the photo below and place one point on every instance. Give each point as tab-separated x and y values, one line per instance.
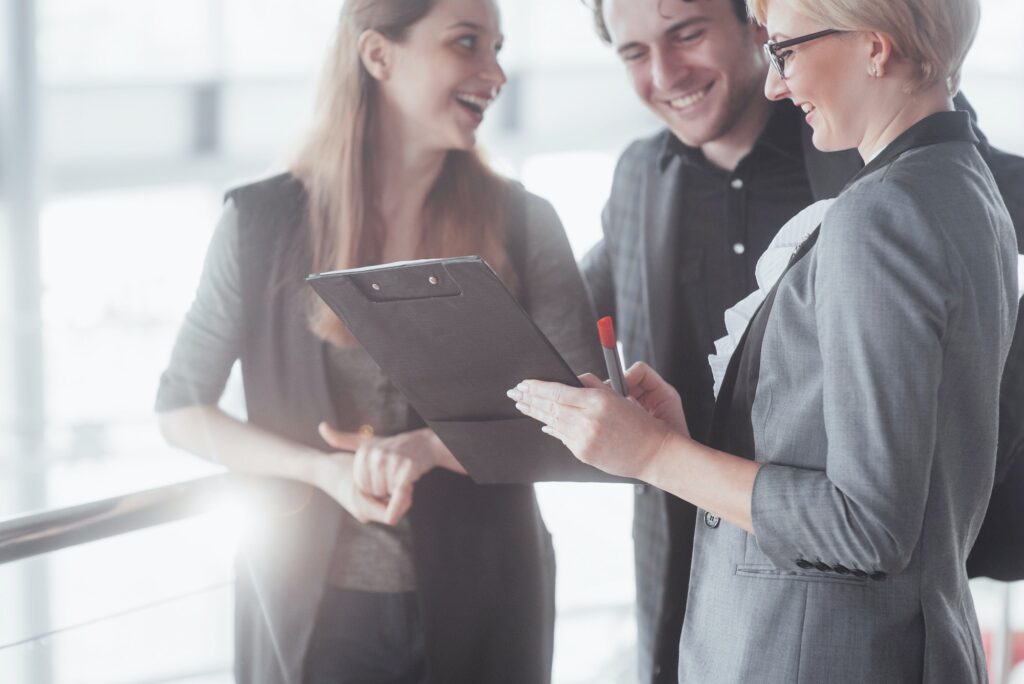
210	338
555	294
597	274
881	290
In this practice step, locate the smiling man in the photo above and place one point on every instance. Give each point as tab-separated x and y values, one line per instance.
690	211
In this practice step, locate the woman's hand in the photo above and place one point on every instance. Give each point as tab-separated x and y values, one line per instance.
656	395
334	474
386	468
617	435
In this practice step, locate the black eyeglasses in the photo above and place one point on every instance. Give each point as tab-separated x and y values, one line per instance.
778	52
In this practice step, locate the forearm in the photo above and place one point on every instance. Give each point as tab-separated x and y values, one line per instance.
209	433
713	480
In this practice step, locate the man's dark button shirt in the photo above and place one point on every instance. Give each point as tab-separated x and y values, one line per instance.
726	221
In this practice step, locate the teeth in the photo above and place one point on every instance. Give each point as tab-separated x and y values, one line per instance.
807	107
476	101
688	100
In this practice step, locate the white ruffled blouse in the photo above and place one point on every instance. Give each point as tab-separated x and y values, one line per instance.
769	269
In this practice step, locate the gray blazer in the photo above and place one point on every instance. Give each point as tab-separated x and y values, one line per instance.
875	419
631	276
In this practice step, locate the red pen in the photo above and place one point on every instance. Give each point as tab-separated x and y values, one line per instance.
606	331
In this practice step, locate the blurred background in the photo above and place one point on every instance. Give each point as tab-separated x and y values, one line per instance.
122	122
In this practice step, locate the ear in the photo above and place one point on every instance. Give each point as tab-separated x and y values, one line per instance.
880	53
375	54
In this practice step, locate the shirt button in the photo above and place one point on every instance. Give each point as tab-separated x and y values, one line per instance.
878	576
739	248
711	520
737	183
804	564
823	567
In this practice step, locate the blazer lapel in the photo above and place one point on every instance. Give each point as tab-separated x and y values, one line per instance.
660	220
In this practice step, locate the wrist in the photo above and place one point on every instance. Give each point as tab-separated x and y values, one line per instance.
323	470
652	469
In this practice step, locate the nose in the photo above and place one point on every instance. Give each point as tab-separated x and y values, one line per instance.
666	69
493	73
775	87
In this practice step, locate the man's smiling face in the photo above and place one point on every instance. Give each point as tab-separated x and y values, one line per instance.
693	62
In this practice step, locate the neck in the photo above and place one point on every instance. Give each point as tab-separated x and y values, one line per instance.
903	113
728	150
404	173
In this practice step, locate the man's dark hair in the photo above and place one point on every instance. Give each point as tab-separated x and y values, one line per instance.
597	9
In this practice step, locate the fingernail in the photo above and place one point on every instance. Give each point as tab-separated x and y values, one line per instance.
521	387
521	407
546	430
514	394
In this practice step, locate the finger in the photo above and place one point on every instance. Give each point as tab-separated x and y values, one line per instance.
392	472
399	503
641	379
548	430
529	391
343	441
378	478
370	509
361	472
591	381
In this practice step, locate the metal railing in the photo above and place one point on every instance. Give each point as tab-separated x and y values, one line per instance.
39	533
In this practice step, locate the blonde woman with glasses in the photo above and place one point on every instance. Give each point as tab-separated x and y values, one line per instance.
854	440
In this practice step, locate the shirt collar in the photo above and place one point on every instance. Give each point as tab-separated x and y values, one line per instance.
781	135
937	128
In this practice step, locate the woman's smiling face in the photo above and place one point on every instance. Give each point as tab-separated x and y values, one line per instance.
827	78
445	73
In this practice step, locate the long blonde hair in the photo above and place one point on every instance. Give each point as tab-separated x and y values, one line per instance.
464	211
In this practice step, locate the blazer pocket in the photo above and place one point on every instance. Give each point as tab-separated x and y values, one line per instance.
513	451
770	572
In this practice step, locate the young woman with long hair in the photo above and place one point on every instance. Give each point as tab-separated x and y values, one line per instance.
347	580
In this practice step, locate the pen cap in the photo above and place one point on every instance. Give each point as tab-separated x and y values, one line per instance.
606	331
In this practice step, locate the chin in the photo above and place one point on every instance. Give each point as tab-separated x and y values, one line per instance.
824	142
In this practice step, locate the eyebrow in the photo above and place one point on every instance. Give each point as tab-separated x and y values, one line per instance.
475	27
678	26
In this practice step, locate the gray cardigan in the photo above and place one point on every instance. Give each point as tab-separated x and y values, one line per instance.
875	419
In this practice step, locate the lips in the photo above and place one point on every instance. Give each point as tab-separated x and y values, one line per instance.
477	104
689	99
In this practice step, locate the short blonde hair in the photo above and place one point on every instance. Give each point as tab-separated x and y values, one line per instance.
933	34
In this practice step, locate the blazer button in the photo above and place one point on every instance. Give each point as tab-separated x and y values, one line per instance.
859	573
878	576
711	520
823	567
804	564
841	569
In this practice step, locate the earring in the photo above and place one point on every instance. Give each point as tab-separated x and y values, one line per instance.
874	71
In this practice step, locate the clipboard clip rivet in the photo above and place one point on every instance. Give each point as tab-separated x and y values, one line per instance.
432	280
375	286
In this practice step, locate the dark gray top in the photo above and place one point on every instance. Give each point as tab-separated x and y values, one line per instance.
370	557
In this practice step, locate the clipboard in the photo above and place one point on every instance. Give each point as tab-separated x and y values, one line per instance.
453	340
